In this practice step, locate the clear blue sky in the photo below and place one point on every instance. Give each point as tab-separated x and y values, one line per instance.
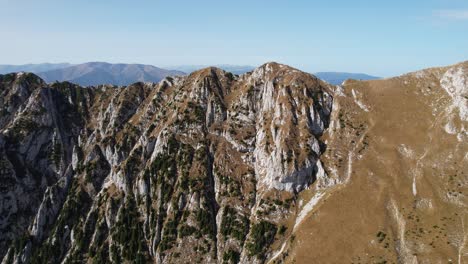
377	37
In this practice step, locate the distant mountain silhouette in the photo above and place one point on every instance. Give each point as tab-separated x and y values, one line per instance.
334	78
236	69
34	68
337	78
95	73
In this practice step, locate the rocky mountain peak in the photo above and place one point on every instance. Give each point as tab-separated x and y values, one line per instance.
25	79
285	75
184	158
273	69
216	167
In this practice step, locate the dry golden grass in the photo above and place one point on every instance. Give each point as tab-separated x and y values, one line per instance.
379	214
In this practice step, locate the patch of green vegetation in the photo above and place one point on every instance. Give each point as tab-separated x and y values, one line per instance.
231	256
4	112
169	235
128	232
262	235
150	129
131	165
197	110
62	85
251	91
88	169
131	135
187	230
234	225
101	256
233	188
205	222
381	236
114	254
8	78
51	250
23	127
99	243
20	242
282	230
229	75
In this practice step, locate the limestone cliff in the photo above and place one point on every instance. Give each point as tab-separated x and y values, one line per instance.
272	166
205	167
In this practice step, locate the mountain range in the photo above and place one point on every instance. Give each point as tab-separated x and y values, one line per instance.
95	73
271	166
235	69
337	78
34	68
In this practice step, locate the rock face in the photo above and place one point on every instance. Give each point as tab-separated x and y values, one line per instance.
272	166
205	167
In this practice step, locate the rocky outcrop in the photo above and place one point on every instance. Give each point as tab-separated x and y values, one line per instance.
454	81
204	167
213	167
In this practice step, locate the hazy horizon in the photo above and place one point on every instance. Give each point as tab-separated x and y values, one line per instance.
381	39
183	67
